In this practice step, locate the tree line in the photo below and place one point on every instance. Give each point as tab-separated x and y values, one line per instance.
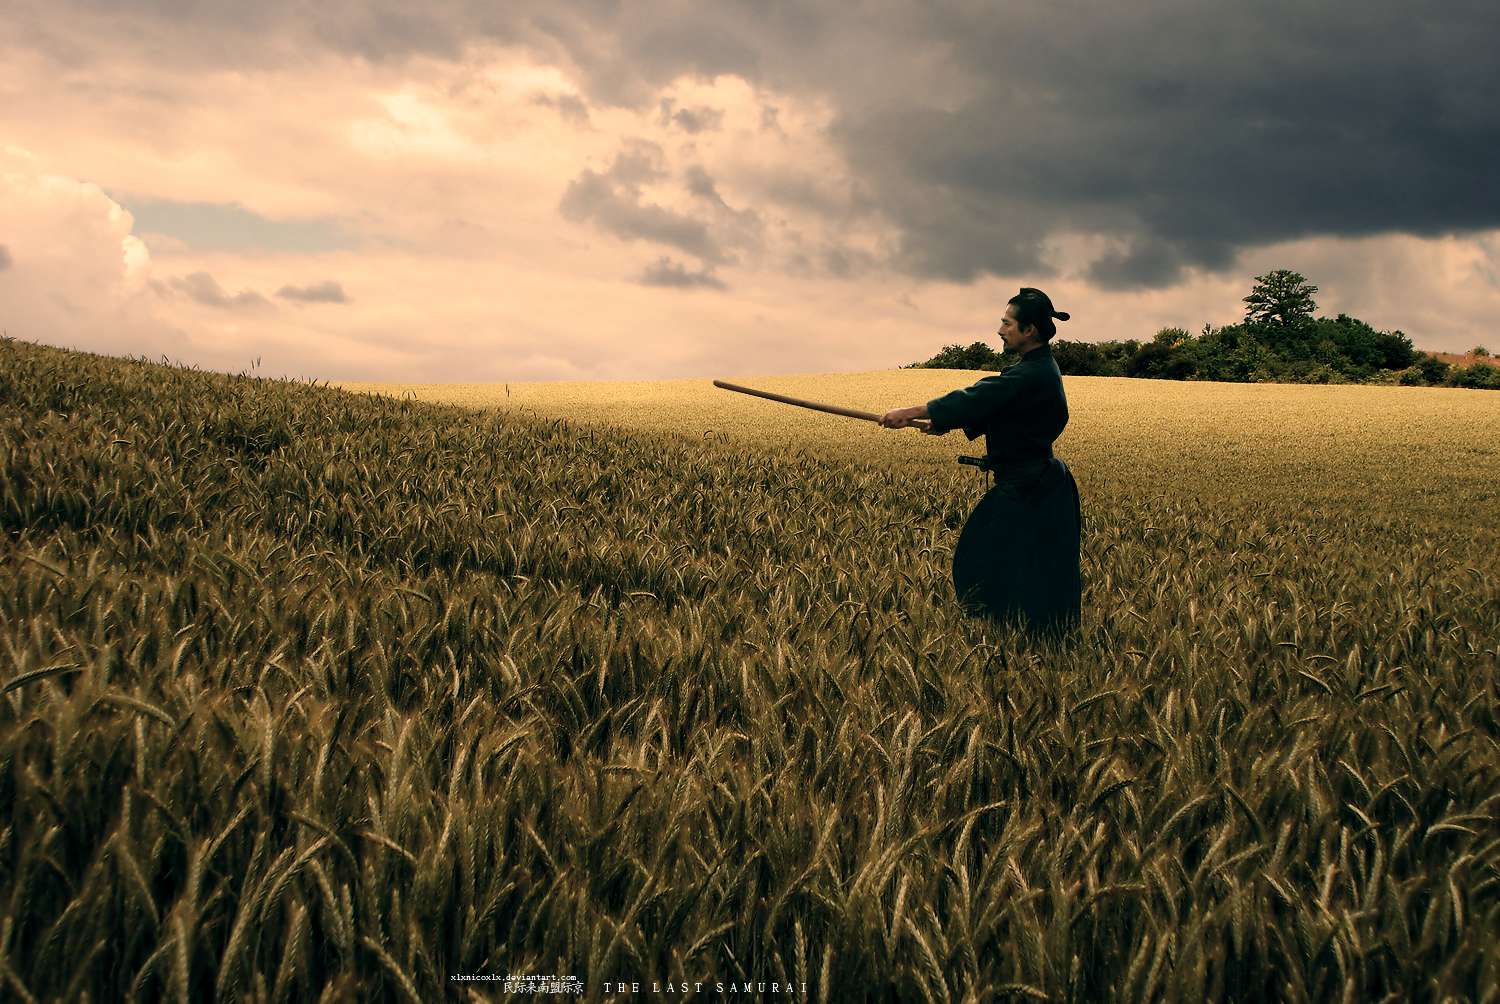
1280	340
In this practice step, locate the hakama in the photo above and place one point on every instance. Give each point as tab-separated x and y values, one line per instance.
1017	558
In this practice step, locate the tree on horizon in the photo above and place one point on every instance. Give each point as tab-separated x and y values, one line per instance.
1282	298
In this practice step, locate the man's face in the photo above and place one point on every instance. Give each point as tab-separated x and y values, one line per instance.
1009	333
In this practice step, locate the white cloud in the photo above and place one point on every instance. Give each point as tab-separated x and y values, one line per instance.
77	275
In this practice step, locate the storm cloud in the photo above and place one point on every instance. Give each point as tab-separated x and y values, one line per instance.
1182	132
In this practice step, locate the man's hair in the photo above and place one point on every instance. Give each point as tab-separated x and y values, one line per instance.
1034	309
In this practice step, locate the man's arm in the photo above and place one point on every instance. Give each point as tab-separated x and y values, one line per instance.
970	408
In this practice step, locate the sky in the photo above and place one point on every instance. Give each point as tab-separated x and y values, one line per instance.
473	192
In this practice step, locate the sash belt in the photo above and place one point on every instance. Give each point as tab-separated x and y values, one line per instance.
993	464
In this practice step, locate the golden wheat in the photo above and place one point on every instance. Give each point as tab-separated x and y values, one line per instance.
310	694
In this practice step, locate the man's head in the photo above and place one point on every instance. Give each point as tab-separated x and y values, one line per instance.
1028	320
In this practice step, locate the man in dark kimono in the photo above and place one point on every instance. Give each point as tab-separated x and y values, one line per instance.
1017	558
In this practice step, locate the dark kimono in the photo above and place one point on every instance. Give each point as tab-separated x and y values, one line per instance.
1017	557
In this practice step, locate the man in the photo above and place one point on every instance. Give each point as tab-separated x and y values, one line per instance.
1017	558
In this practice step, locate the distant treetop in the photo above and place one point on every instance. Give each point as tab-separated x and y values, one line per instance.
1283	298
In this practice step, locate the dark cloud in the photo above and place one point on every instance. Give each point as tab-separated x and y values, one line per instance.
846	262
613	202
666	272
1188	133
702	185
1185	132
5	259
200	287
322	292
570	106
691	120
736	227
833	199
1151	263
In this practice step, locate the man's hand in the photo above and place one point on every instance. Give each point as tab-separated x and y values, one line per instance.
900	418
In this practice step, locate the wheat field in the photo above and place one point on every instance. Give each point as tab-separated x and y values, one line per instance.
1423	453
316	694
